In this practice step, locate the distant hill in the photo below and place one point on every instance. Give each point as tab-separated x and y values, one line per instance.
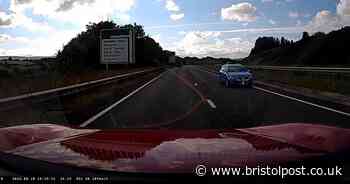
320	49
205	60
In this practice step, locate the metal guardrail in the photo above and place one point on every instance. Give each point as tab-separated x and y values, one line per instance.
73	87
305	69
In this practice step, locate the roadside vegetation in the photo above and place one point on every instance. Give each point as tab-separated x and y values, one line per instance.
319	49
78	61
318	81
83	51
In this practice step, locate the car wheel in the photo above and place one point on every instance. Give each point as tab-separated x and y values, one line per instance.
227	83
221	80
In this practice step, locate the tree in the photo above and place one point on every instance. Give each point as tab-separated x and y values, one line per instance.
283	42
305	36
319	35
265	43
139	31
148	51
84	49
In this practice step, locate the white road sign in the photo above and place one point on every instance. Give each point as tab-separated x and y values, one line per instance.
117	47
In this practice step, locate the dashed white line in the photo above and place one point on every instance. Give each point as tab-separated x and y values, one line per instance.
305	102
100	114
211	103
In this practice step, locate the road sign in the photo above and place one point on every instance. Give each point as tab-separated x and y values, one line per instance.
117	46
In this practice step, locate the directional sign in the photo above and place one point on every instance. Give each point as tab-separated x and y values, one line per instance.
117	46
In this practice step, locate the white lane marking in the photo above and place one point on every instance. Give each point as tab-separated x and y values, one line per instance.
295	99
211	103
100	114
305	102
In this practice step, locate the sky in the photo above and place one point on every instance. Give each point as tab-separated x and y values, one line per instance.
217	28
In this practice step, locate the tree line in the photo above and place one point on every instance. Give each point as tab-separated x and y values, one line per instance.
318	49
267	43
83	51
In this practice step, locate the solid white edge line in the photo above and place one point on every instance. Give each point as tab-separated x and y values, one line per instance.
302	101
211	103
100	114
295	99
304	68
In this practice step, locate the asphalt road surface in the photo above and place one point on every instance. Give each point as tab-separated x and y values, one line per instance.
192	98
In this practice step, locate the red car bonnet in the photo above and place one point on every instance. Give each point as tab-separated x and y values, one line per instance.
172	151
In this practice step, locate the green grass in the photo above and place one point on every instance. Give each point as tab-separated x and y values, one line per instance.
321	81
20	82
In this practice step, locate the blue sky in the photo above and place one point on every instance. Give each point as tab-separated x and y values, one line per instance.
218	28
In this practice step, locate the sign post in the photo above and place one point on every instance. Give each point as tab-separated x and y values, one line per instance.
117	46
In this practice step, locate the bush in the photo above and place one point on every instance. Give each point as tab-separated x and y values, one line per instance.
83	51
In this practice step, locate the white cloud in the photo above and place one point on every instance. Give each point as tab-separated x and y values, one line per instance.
174	10
77	12
209	43
266	30
220	44
307	15
299	23
272	22
69	4
182	32
293	14
3	52
326	21
74	11
176	17
4	38
28	23
5	19
18	18
156	37
343	8
242	12
37	46
266	1
171	6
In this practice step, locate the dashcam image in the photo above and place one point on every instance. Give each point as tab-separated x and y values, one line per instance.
162	91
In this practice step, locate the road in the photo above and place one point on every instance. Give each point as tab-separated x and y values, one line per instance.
192	98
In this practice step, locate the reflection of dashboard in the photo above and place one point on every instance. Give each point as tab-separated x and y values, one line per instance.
53	150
